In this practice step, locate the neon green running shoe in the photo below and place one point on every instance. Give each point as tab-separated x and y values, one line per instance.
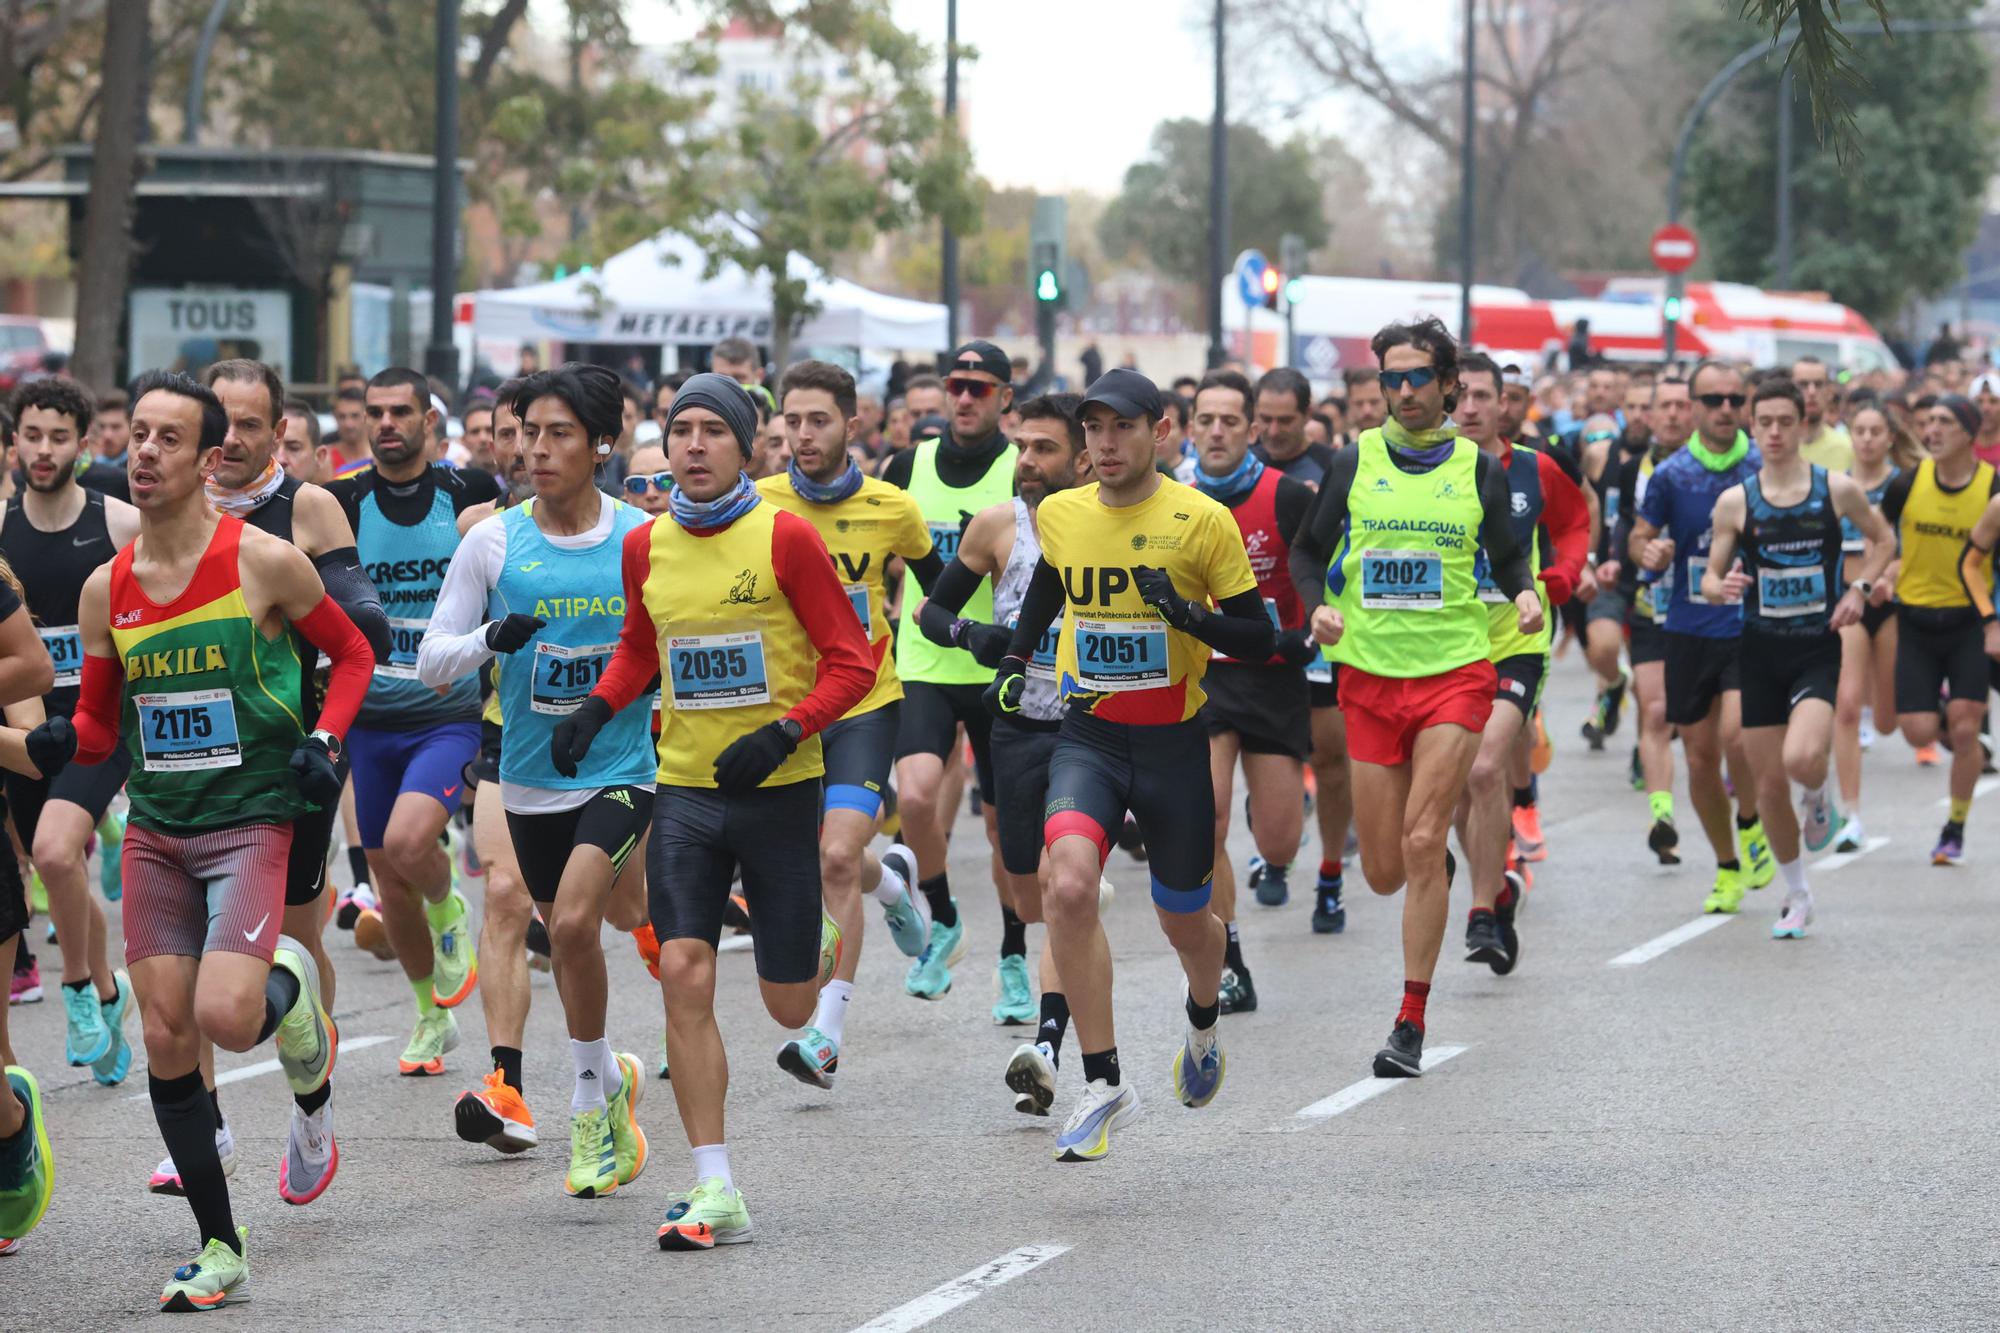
593	1158
436	1033
829	948
38	897
111	837
27	1168
1727	895
454	962
1759	866
628	1141
217	1276
709	1215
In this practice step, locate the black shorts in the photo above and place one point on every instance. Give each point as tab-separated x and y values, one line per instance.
1269	708
1324	693
312	834
1609	604
1699	671
1021	752
13	895
1933	652
1102	770
1875	617
613	820
1520	682
860	754
700	838
1781	671
1648	642
485	766
88	785
929	725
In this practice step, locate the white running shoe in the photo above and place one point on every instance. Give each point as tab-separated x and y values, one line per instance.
1852	836
1818	820
167	1180
1798	914
311	1156
1031	1073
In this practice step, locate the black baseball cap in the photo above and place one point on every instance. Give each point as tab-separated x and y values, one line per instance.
982	355
1126	392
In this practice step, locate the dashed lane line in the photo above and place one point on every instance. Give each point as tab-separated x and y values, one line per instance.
941	1300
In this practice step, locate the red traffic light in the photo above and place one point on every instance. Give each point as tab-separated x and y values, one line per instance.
1272	280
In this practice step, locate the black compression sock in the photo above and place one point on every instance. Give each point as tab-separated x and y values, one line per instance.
215	1101
937	892
357	864
507	1059
187	1123
1746	821
1013	934
1102	1065
1055	1022
1524	796
281	992
1731	864
1203	1016
312	1101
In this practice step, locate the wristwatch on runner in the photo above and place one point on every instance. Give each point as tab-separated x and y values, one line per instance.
330	741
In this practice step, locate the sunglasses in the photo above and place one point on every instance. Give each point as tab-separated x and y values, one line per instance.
977	388
659	481
1715	400
1394	380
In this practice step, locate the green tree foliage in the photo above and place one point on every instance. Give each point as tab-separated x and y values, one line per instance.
1822	56
1877	238
1162	210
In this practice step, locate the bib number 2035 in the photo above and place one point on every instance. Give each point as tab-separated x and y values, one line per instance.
717	670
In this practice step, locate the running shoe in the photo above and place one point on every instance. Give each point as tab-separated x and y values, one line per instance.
1269	882
708	1215
496	1116
736	913
372	934
1727	896
1528	837
1482	940
215	1277
1542	752
468	859
26	985
38	895
311	1156
1403	1057
1107	892
1014	1003
348	909
1592	729
27	1167
307	1042
1664	840
1505	909
1928	756
1031	1073
89	1040
8	1247
929	978
1636	772
648	945
812	1058
1131	841
1950	849
666	1071
1199	1066
1819	821
829	947
455	963
1329	913
1612	701
628	1140
593	1158
167	1177
1792	922
110	838
1852	836
111	1068
1102	1108
1238	993
909	917
1759	866
436	1034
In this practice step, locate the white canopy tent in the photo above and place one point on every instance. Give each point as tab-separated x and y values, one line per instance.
654	294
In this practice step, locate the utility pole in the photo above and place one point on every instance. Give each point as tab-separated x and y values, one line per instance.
441	357
950	253
1218	197
1466	158
1783	258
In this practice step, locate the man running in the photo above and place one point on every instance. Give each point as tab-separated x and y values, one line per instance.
1390	560
1786	524
350	452
735	605
187	652
865	523
54	534
1133	562
411	743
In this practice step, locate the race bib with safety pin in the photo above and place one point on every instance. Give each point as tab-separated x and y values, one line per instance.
1402	581
1115	655
564	677
65	645
857	597
1786	593
406	634
193	729
717	670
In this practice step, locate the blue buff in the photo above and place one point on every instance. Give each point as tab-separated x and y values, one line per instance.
846	796
717	513
1237	483
826	492
1181	901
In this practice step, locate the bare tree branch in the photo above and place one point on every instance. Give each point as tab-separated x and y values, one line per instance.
493	42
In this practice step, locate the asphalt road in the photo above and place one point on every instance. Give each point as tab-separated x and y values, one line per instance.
1733	1133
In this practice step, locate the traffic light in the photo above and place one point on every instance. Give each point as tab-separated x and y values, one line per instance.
1673	311
1295	291
1048	287
1273	282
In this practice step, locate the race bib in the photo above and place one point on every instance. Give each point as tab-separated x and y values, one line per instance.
1489	591
857	597
1115	655
1697	566
1853	544
1661	593
405	634
1042	662
1320	670
944	536
65	645
193	729
1402	580
717	670
564	677
1786	593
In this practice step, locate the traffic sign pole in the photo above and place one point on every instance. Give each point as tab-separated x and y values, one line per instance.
1674	249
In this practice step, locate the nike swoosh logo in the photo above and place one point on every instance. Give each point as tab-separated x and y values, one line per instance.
83	541
450	791
251	935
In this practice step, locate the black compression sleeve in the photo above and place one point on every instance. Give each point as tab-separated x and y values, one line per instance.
1294	507
352	591
1238	627
1897	496
948	596
1317	540
1496	530
1039	609
897	470
926	567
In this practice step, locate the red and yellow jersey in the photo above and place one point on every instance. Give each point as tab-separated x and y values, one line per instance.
1117	658
862	533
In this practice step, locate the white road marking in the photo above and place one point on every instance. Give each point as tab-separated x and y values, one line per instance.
1839	859
1983	787
967	1287
272	1066
1658	945
1367	1089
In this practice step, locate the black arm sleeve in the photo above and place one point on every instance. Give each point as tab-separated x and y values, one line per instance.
1294	506
1238	628
897	470
1613	538
1496	530
948	595
1039	609
927	567
1320	536
1897	496
353	592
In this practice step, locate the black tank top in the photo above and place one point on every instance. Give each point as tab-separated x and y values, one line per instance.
275	517
275	514
53	567
1792	555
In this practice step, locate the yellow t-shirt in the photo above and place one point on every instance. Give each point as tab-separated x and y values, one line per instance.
1830	448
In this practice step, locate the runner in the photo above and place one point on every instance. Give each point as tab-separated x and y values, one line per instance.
54	534
411	743
1135	642
1939	641
549	570
1671	531
186	651
1605	446
1786	522
1552	524
865	523
734	598
969	468
1402	519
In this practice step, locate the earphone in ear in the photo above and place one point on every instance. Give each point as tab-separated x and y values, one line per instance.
604	446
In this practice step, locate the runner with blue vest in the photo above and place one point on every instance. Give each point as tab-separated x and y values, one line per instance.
539	589
411	743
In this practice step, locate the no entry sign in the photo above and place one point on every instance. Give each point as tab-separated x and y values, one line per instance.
1674	249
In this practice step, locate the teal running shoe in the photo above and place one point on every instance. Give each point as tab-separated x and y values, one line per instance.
27	1168
929	978
813	1058
112	1067
111	838
88	1040
1014	999
909	917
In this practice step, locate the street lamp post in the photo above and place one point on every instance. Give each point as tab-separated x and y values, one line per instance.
1466	162
441	357
1218	198
949	256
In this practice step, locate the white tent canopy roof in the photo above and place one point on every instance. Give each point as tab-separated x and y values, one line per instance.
654	294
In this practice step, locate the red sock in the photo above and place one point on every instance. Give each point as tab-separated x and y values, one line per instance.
1329	870
1478	912
1415	993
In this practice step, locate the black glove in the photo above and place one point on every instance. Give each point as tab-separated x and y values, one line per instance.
318	779
512	634
752	758
987	643
1003	696
570	741
1297	648
52	745
1157	587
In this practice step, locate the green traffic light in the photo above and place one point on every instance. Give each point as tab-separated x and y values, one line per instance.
1295	291
1673	310
1046	286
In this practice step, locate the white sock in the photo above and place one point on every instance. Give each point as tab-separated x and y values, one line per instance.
597	1076
890	888
831	1015
1795	877
711	1161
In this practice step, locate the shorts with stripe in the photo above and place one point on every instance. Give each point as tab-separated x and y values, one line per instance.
613	820
860	753
221	891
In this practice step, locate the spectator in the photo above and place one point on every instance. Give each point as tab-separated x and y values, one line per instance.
738	359
1092	361
111	428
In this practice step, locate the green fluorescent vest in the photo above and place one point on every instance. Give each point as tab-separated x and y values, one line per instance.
945	510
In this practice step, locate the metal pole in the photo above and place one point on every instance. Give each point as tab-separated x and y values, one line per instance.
1466	154
1218	198
1783	263
198	75
441	358
950	255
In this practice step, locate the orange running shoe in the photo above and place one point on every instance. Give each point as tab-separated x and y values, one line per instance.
1520	867
1928	756
495	1116
1539	757
1528	833
371	934
649	948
